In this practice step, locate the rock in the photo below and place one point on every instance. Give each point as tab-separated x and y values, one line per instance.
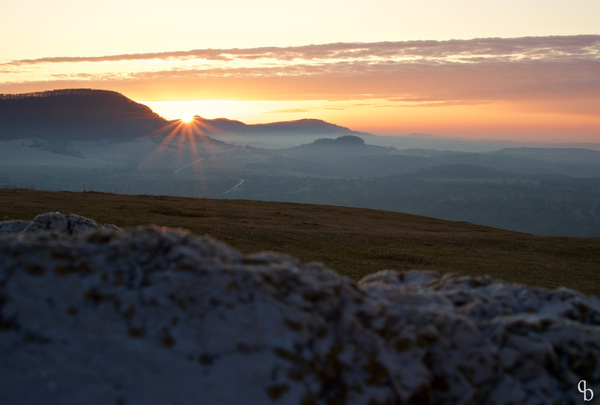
13	226
91	313
55	222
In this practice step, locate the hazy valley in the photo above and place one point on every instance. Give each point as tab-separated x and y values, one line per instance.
81	140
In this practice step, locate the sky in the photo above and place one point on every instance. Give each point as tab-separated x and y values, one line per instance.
484	69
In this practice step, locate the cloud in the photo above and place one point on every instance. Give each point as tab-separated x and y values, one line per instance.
289	111
412	73
521	47
432	102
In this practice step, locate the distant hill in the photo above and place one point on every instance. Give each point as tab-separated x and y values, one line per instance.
341	145
452	143
75	114
221	126
556	155
346	140
85	114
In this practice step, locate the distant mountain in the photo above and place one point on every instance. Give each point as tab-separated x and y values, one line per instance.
574	162
85	114
350	143
346	140
346	156
75	114
562	155
458	144
222	126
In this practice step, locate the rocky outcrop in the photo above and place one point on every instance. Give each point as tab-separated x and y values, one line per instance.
95	314
53	222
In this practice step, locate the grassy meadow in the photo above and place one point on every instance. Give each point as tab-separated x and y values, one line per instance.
352	241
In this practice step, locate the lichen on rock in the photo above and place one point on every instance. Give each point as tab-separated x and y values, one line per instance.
92	313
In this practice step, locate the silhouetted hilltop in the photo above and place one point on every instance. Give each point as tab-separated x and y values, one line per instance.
298	127
342	140
304	125
342	146
75	114
92	114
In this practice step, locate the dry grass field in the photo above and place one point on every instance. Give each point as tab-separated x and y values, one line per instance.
352	241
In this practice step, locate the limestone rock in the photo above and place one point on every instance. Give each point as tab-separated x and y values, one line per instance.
95	314
55	222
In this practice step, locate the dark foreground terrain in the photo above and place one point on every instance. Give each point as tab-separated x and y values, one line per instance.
153	316
354	242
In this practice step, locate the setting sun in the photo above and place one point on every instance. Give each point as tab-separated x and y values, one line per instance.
187	117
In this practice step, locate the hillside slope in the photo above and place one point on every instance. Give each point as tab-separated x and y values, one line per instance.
84	114
305	126
76	114
354	242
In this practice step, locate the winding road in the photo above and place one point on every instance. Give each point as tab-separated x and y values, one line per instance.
188	165
239	183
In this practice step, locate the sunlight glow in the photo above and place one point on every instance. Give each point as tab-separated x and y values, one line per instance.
519	85
183	147
187	117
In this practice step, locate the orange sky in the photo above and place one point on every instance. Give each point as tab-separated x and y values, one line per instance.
534	88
